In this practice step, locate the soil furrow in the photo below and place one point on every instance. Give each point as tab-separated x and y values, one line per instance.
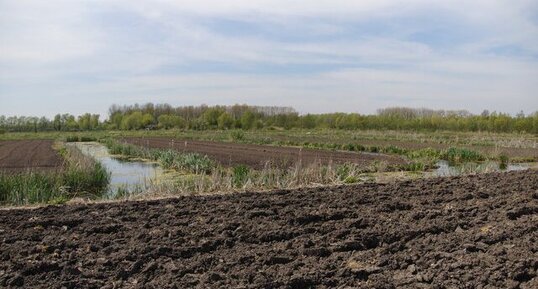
459	232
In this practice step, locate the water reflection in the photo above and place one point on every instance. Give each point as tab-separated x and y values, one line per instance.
446	169
126	175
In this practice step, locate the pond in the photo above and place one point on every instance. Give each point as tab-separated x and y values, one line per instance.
446	169
125	175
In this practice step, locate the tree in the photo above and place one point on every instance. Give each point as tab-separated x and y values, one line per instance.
247	120
132	121
167	121
225	121
58	123
211	116
147	120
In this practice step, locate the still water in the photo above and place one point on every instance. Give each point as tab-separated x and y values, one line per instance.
125	175
445	169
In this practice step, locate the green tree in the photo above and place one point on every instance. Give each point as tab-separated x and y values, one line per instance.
168	121
132	121
225	121
147	120
247	120
211	116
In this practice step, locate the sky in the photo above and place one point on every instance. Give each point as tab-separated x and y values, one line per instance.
69	56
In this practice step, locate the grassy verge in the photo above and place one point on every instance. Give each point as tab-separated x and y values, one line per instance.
80	175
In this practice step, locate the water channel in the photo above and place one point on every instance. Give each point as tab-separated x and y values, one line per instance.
125	174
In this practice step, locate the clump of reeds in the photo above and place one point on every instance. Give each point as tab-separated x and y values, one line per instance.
80	175
461	155
169	159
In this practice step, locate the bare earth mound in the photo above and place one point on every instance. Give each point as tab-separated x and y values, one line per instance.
22	155
461	232
256	156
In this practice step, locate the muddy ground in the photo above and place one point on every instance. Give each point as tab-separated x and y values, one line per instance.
257	156
460	232
22	155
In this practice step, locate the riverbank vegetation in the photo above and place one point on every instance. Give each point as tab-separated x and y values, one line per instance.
79	176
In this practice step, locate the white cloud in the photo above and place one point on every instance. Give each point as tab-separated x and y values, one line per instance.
83	55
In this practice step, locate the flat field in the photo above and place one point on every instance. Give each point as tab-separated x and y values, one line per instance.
476	231
257	156
23	155
519	147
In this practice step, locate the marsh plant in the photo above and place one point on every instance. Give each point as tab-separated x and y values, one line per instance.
79	176
243	178
169	159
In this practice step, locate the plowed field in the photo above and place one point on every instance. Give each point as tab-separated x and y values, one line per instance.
257	156
461	232
17	156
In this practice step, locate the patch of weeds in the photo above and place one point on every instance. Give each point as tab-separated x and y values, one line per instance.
240	175
416	167
351	179
503	162
237	135
461	155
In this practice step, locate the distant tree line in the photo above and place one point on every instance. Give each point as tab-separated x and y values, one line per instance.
165	116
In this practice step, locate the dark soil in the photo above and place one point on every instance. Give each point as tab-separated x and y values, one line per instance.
257	156
22	155
460	232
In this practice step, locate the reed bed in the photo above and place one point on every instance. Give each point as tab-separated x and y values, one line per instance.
79	176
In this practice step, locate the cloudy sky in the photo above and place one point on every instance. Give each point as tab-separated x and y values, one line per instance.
317	55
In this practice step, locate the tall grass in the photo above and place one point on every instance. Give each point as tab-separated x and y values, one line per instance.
169	159
243	178
202	175
461	155
80	175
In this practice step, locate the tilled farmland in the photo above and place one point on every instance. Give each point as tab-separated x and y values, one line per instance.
461	232
257	156
22	155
